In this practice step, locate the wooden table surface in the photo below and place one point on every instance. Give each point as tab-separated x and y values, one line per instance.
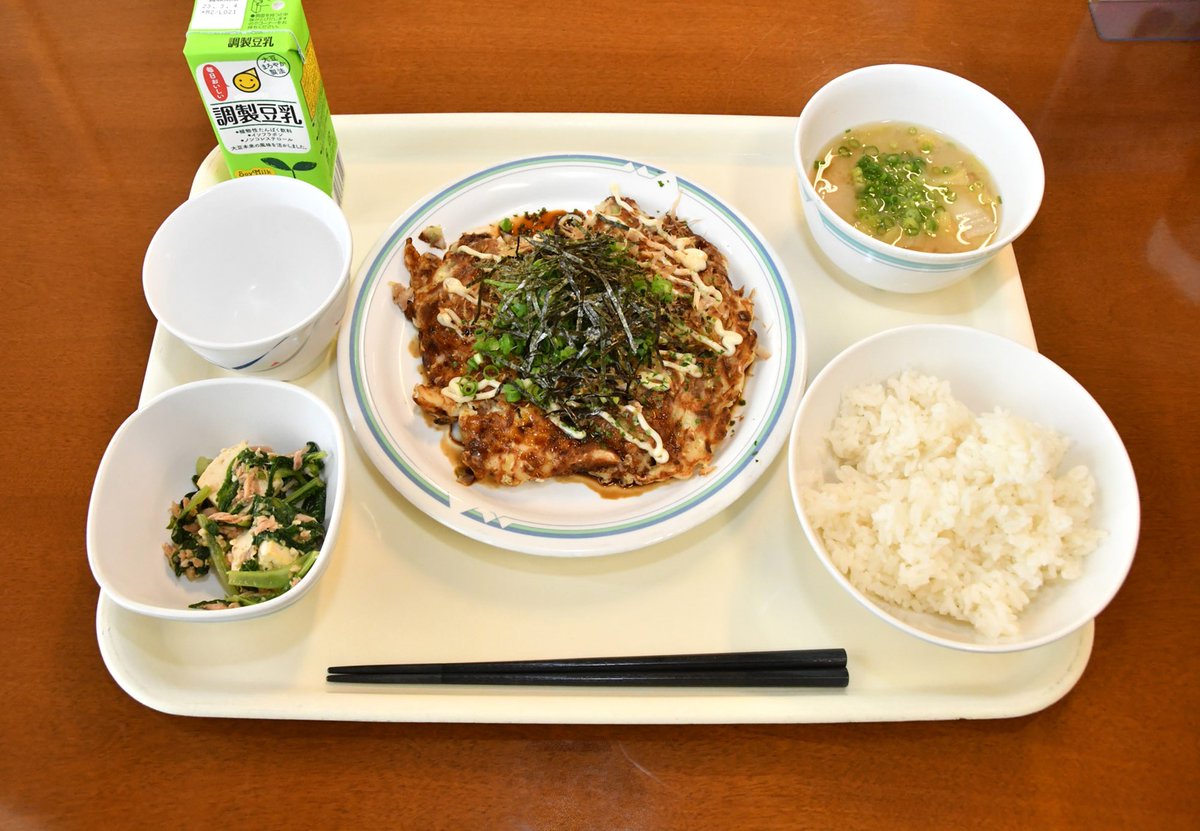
102	130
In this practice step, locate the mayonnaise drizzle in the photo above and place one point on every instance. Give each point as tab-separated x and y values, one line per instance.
487	388
455	286
654	447
684	364
682	249
482	255
693	259
704	296
450	319
578	435
709	342
729	339
653	379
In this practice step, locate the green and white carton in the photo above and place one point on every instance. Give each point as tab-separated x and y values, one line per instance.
255	67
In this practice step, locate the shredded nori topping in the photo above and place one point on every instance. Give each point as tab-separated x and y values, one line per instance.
573	323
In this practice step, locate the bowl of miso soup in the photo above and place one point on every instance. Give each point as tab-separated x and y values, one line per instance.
912	178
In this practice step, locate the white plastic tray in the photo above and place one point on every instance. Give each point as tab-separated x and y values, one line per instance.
404	588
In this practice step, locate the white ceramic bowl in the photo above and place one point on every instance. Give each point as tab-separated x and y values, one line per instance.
252	274
150	461
985	371
931	98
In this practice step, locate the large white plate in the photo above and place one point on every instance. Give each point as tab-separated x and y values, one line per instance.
378	369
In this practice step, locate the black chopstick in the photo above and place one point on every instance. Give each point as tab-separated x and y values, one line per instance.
819	677
776	668
773	659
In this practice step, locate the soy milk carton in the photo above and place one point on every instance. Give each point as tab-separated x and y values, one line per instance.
254	64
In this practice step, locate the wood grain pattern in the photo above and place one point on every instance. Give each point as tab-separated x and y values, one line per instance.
100	134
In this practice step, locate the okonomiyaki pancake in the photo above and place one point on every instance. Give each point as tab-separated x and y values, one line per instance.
606	343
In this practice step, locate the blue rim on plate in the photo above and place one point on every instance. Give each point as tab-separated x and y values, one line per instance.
775	303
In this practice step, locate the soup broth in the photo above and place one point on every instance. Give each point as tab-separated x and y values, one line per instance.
909	186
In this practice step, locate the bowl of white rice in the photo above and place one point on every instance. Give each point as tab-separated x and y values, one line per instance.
964	488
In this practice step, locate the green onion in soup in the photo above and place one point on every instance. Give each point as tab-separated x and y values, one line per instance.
909	186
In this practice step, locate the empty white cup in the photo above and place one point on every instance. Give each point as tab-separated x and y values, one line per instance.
253	275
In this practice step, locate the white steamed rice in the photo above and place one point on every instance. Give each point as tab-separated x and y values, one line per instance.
937	510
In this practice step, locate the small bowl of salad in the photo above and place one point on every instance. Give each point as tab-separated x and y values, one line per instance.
912	178
218	500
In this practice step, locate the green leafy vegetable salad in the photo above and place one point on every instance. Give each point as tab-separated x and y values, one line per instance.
254	519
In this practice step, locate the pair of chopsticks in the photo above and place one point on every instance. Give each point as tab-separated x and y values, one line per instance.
779	668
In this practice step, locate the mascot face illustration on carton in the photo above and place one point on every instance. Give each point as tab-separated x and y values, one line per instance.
257	73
